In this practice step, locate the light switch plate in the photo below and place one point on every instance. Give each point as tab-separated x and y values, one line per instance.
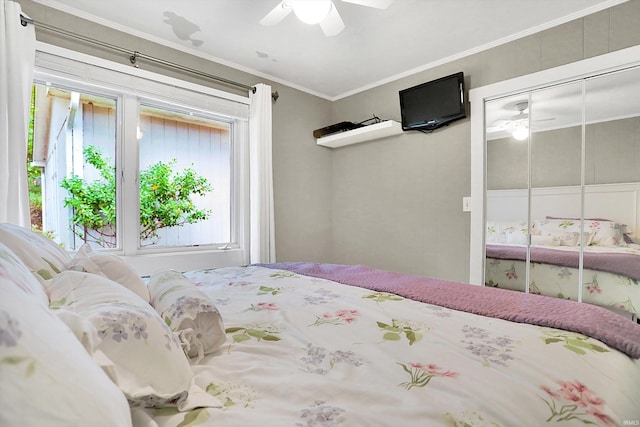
466	204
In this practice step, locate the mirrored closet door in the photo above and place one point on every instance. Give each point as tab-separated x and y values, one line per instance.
562	189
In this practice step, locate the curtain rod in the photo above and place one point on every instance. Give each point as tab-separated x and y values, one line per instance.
134	55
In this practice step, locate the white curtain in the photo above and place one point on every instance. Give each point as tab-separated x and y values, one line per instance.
262	241
17	56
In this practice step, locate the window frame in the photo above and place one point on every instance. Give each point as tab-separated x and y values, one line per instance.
132	87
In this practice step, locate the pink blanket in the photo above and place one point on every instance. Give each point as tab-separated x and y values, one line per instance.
596	322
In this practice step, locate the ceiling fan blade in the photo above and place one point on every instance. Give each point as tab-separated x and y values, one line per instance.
277	14
502	123
494	129
378	4
332	25
520	116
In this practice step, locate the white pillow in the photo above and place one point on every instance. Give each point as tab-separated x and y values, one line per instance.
557	225
515	234
188	312
146	360
606	233
47	376
511	232
44	257
11	267
110	266
568	238
603	232
545	240
492	234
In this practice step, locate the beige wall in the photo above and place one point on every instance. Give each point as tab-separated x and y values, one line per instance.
397	203
393	203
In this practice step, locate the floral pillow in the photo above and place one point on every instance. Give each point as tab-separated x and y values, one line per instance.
143	356
569	238
189	313
606	233
510	232
47	376
14	270
109	266
545	240
601	232
492	234
44	257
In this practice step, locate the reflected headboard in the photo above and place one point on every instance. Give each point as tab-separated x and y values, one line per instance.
616	202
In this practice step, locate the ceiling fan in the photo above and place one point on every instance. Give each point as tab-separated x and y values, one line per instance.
321	12
518	124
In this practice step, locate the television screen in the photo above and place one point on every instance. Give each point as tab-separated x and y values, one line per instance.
433	104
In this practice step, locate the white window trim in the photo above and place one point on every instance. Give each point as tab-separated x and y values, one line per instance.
62	66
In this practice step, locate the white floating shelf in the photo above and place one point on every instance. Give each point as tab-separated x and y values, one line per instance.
366	133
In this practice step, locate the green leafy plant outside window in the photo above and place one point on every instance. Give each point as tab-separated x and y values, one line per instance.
165	200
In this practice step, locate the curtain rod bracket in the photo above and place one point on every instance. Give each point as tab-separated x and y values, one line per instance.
133	59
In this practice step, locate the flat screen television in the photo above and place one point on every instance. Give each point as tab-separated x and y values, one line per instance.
434	104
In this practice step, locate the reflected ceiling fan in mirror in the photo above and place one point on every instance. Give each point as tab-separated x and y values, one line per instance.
517	125
321	12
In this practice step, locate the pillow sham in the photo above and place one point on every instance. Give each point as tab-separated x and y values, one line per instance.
511	232
144	357
516	235
109	266
492	234
545	240
570	238
605	232
559	225
13	269
47	377
44	257
188	312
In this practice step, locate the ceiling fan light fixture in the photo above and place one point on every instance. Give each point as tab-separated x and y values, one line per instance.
521	133
311	11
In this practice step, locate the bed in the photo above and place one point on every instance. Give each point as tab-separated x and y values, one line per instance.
84	341
610	253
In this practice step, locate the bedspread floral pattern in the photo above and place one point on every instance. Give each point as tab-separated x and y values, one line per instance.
10	333
577	343
599	287
313	353
572	400
421	374
340	317
492	349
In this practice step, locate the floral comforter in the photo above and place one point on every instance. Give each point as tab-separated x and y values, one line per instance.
604	288
304	351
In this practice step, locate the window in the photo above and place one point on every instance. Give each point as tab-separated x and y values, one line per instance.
142	165
73	149
185	185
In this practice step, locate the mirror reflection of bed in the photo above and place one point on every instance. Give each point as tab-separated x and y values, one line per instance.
562	199
610	259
